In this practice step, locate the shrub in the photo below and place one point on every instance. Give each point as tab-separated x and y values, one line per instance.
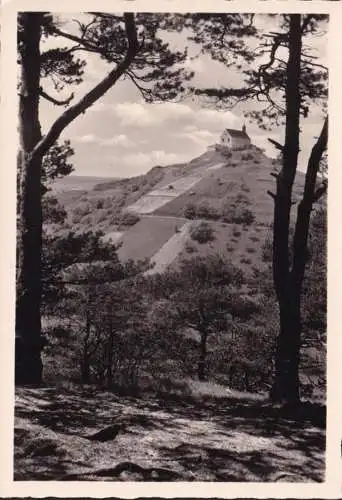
190	211
250	250
129	218
267	250
189	248
254	238
205	211
240	216
245	260
247	156
202	233
201	211
236	232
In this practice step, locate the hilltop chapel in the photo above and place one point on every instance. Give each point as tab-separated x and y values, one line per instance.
235	139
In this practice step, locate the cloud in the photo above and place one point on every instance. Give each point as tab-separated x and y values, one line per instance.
87	139
202	137
142	115
153	158
117	140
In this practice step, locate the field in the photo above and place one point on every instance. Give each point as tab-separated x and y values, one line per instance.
146	237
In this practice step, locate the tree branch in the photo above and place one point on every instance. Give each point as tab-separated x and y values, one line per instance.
56	101
276	144
93	95
305	207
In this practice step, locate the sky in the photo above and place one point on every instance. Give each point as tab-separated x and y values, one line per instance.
123	136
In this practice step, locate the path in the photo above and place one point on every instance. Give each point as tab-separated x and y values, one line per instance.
169	251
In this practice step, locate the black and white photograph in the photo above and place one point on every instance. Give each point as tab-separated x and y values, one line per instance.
171	247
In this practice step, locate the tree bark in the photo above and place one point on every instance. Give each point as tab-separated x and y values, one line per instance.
286	381
288	281
28	366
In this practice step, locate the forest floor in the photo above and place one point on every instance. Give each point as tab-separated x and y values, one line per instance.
230	437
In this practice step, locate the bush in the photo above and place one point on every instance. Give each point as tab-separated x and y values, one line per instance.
247	156
129	218
254	238
189	248
202	233
245	260
205	211
201	211
240	216
236	232
267	250
190	211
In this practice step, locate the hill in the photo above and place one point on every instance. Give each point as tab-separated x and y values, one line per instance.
77	183
165	214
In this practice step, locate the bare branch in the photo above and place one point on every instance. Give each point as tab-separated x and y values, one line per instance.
276	144
56	101
93	95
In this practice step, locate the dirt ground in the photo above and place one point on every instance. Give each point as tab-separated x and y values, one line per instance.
181	438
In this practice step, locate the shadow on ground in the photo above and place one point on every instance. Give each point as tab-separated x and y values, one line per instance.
164	439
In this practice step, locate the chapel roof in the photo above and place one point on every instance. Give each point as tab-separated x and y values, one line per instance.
237	133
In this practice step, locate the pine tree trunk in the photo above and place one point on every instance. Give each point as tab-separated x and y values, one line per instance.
28	369
285	386
202	375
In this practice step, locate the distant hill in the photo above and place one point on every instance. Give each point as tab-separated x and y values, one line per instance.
78	183
217	202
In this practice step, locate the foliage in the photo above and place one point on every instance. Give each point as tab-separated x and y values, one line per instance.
56	164
202	233
201	211
265	80
60	252
314	293
267	252
129	218
239	215
53	212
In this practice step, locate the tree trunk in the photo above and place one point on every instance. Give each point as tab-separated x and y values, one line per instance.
85	369
85	361
28	366
202	373
286	377
285	387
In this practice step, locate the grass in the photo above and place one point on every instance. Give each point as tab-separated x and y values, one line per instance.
146	237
